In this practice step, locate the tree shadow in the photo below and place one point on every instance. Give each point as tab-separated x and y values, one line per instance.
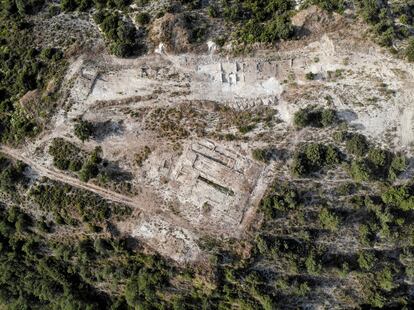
103	130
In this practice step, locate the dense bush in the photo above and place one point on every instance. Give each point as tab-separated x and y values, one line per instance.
372	163
328	220
40	273
83	130
10	175
282	198
90	168
71	206
310	76
121	33
260	21
84	5
312	157
66	155
401	197
141	290
360	170
23	68
313	116
357	144
143	18
382	19
22	7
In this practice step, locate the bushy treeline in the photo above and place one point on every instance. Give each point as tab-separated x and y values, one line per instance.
24	68
259	21
329	5
120	32
84	5
44	265
39	272
381	15
88	165
368	162
71	207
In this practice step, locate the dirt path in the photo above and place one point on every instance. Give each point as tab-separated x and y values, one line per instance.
61	177
103	192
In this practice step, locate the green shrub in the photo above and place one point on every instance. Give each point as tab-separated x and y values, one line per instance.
88	171
260	21
66	155
213	11
83	130
143	18
283	198
312	267
312	157
384	164
398	165
141	290
360	170
263	155
385	280
340	136
276	29
328	220
102	246
370	10
329	117
332	155
401	197
378	157
404	19
28	6
357	145
314	116
11	175
68	5
330	5
377	13
366	260
85	5
121	34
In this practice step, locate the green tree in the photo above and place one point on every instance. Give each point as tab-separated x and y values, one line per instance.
328	220
83	130
143	18
360	170
357	144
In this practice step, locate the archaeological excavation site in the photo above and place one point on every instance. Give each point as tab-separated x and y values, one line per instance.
199	154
